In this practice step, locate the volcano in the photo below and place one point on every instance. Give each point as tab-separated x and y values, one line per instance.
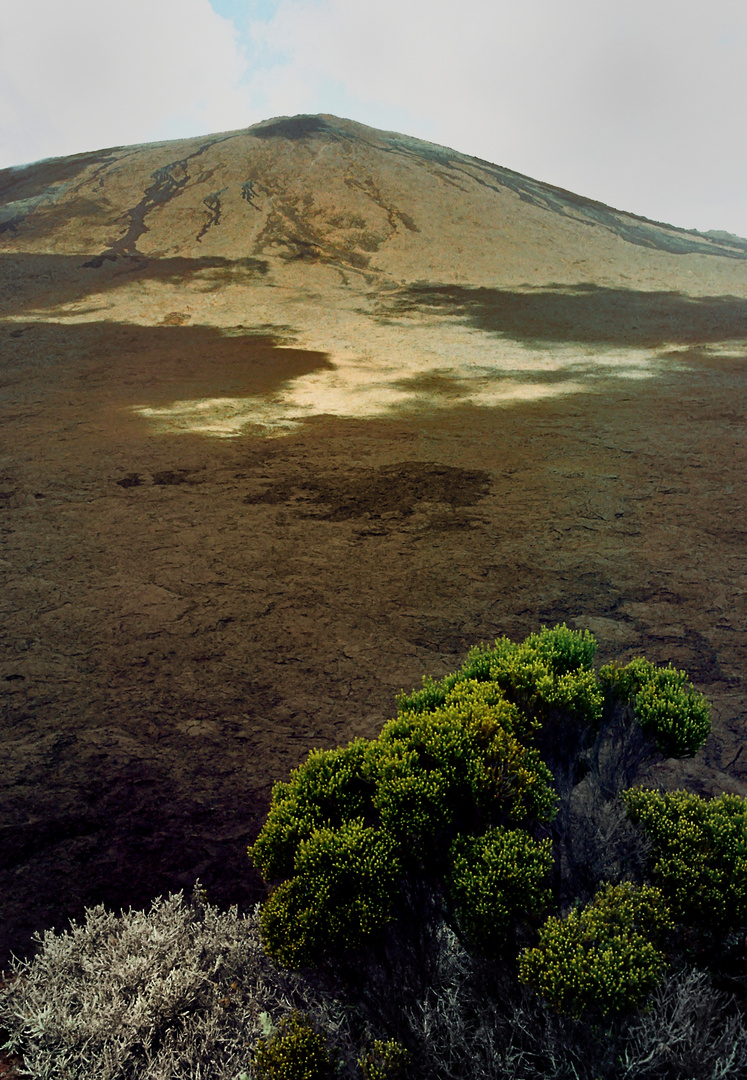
295	415
424	276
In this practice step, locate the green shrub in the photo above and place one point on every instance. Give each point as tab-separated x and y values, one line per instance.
470	770
700	854
564	649
360	831
549	681
294	1052
384	1061
332	786
491	797
547	672
602	958
341	891
458	768
665	704
486	701
497	880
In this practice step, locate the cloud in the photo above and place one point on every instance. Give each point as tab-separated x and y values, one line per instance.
85	74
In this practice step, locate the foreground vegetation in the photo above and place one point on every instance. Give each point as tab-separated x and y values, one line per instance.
482	891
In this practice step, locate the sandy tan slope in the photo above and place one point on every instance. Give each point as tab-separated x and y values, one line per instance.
493	404
336	237
345	196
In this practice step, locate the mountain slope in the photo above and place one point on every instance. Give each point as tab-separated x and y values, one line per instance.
325	190
403	262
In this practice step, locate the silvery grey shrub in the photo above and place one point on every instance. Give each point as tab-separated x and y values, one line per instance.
180	992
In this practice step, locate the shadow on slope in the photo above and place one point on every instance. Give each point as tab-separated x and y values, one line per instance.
32	282
584	313
118	364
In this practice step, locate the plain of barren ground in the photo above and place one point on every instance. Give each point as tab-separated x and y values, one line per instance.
244	503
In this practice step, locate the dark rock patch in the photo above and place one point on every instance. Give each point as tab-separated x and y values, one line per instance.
388	489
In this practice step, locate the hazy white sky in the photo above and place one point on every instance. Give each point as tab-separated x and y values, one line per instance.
639	103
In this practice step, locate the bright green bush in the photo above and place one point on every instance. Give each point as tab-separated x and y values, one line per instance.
471	808
549	678
342	890
355	828
332	786
384	1061
548	673
458	768
496	880
602	958
549	681
294	1052
485	702
665	704
700	854
564	650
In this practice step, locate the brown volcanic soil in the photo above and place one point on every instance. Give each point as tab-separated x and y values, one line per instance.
184	617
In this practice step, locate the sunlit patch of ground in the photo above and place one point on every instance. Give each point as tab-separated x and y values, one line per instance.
391	353
357	387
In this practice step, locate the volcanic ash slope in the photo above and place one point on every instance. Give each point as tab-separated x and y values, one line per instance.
426	278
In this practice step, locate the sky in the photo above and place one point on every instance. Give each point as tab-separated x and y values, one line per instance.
641	104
